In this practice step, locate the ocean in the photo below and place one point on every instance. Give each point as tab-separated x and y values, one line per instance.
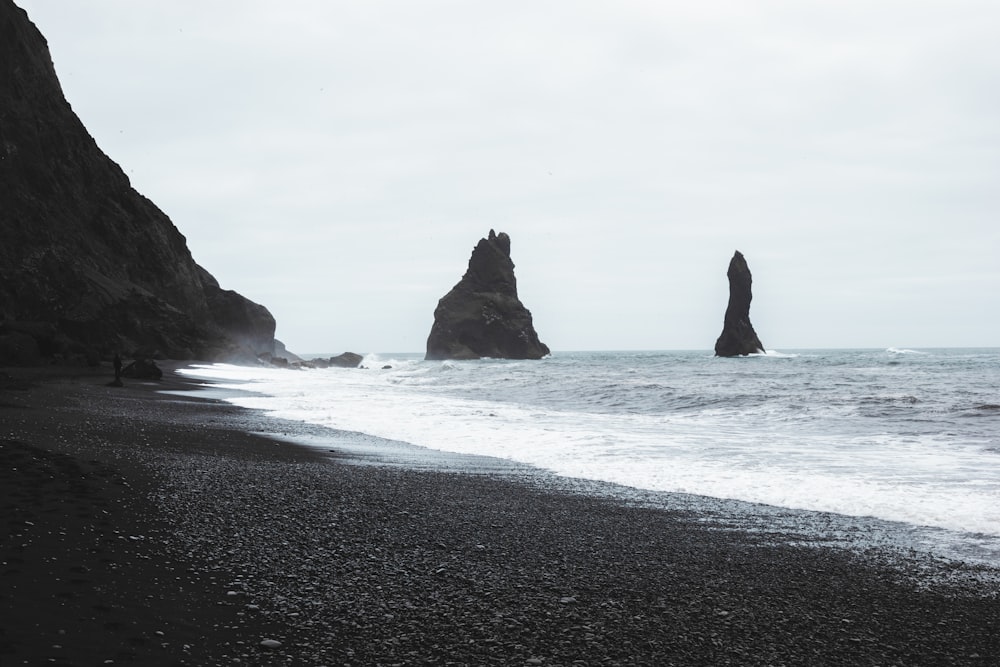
899	436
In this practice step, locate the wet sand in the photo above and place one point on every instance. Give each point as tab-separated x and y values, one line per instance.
159	529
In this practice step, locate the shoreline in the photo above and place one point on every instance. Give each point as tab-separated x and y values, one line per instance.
151	528
805	526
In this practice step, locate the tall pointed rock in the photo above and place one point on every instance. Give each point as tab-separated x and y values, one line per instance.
481	316
738	337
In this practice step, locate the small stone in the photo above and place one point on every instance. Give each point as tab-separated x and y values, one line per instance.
270	643
568	600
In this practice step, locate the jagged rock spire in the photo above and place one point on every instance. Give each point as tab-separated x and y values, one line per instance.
738	337
482	316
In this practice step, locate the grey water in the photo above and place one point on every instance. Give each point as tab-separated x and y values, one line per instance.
908	437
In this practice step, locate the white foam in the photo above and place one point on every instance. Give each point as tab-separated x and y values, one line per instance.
777	355
764	454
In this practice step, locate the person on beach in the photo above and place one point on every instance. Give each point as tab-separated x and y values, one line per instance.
118	367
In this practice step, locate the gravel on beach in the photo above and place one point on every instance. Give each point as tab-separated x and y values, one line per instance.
159	529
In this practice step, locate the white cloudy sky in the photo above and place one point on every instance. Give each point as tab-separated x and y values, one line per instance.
337	161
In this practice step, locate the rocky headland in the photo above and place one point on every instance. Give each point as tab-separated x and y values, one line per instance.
738	337
88	266
482	316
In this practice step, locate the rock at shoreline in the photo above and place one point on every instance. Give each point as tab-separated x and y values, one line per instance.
283	352
481	316
344	360
738	337
142	369
88	265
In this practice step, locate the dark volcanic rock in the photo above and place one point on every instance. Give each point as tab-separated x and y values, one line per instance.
481	316
143	369
18	348
345	360
738	336
86	260
283	352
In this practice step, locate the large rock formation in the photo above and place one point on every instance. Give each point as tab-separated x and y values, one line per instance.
481	316
89	266
738	337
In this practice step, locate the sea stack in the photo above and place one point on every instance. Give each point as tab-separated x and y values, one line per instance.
738	337
481	316
88	266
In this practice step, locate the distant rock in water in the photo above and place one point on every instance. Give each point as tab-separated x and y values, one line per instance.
345	360
481	316
738	337
88	266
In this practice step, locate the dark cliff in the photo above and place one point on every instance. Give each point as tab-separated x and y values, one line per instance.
88	266
738	337
481	316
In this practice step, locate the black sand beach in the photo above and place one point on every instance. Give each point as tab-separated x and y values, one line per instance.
154	529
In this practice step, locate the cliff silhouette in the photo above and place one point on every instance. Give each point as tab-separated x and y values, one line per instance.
88	266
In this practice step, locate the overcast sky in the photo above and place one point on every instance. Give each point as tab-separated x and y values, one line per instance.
337	161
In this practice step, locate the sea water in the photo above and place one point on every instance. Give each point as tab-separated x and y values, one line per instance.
908	436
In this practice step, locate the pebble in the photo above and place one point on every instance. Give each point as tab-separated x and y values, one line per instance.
370	565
